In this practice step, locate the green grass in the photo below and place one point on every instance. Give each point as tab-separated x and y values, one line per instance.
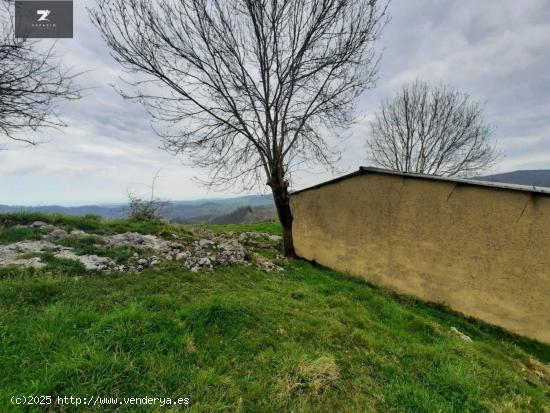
95	225
239	339
13	234
62	266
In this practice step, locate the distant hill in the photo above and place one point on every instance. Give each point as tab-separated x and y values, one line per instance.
179	211
105	211
537	177
240	215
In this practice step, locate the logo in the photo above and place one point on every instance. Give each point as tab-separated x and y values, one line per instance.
43	19
43	15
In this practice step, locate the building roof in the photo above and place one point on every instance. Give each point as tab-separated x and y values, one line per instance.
365	170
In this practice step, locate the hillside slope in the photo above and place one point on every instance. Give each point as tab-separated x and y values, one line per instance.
240	215
200	210
540	177
238	338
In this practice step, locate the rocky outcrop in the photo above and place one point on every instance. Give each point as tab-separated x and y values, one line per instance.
204	253
56	235
91	262
15	254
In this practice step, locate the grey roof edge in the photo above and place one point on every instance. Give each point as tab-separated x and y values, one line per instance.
364	170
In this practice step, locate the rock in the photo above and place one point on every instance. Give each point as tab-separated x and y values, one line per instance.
269	266
29	262
39	224
10	254
44	226
259	239
204	262
56	235
274	238
183	255
210	250
140	242
91	262
142	261
205	242
463	336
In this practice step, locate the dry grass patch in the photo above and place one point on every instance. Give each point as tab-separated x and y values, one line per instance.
311	376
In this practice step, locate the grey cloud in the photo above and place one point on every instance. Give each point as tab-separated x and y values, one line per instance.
495	50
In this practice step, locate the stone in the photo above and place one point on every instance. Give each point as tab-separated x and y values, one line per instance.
458	333
269	266
210	250
205	242
204	262
274	238
56	235
29	262
141	242
182	255
39	224
91	262
10	254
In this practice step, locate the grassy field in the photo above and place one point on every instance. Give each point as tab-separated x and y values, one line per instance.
240	339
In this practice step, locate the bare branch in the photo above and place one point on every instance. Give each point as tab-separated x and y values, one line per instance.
248	89
32	83
147	209
431	130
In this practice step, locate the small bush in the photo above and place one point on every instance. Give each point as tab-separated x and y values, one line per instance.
145	209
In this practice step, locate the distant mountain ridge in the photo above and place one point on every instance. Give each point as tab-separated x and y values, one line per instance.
240	215
181	211
536	177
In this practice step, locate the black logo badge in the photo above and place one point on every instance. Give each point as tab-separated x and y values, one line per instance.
44	19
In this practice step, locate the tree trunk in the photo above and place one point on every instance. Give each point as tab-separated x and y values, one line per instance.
282	202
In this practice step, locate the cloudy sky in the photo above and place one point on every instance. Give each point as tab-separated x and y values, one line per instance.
497	51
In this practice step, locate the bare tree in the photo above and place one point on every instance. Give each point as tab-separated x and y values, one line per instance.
32	82
147	209
247	88
431	130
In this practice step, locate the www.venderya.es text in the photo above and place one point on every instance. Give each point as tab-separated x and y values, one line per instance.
95	400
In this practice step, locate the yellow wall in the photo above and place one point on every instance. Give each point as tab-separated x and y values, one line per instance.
482	251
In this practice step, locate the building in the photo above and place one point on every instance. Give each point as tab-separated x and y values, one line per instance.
481	248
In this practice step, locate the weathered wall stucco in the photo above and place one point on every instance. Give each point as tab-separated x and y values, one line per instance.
483	251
